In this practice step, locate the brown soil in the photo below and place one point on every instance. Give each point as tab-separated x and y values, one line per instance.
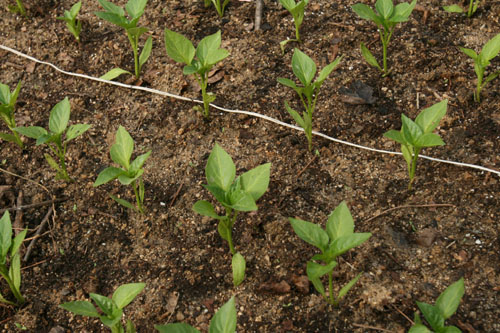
94	245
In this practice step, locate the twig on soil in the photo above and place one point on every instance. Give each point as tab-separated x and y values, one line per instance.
37	236
307	165
35	264
38	204
258	14
372	328
38	232
176	194
402	313
392	258
407	206
27	179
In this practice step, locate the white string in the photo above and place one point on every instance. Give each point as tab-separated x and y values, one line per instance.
253	114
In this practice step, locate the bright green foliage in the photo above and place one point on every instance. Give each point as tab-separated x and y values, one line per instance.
112	308
338	238
7	105
116	15
58	128
9	253
473	4
235	195
446	305
386	17
219	7
481	61
304	69
19	8
224	321
130	173
297	11
415	135
208	53
74	25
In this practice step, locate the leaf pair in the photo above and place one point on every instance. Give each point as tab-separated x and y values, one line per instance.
112	308
9	252
446	305
8	101
74	26
415	135
219	6
297	11
473	4
490	50
57	137
224	321
304	69
129	173
338	238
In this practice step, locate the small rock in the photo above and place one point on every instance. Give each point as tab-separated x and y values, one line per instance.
426	237
301	282
278	287
57	329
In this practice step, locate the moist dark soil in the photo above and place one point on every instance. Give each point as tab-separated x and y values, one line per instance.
444	228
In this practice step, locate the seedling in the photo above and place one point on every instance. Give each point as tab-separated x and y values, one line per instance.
297	11
58	127
9	253
18	8
415	135
74	25
219	6
473	4
446	305
208	53
338	238
304	69
116	15
481	61
129	173
7	105
386	17
224	321
235	195
112	308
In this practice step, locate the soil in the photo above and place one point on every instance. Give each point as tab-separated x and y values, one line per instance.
93	245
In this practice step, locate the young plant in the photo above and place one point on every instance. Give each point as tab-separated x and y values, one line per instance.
129	173
224	321
415	135
112	308
18	8
74	25
304	69
473	4
57	137
338	238
7	105
446	305
219	6
9	253
235	195
481	61
386	17
297	11
208	53
116	15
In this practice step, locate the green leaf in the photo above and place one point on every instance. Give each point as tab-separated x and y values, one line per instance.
216	56
370	59
340	222
453	9
8	137
114	73
15	271
410	130
108	175
146	51
48	138
76	130
491	48
75	9
136	32
310	233
287	82
59	116
345	243
345	289
429	140
365	12
295	115
111	7
238	265
288	4
220	170
16	243
491	77
419	328
256	181
128	178
135	8
179	47
3	300
395	135
113	18
224	321
205	208
303	67
224	230
407	152
384	8
126	293
104	303
325	72
122	149
122	202
176	328
450	329
403	11
429	118
432	315
130	328
207	46
471	53
218	193
5	236
242	201
315	270
33	132
82	308
139	161
448	302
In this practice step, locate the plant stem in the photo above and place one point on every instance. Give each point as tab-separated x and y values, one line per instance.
61	152
5	273
413	166
134	41
203	82
21	8
330	287
137	198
